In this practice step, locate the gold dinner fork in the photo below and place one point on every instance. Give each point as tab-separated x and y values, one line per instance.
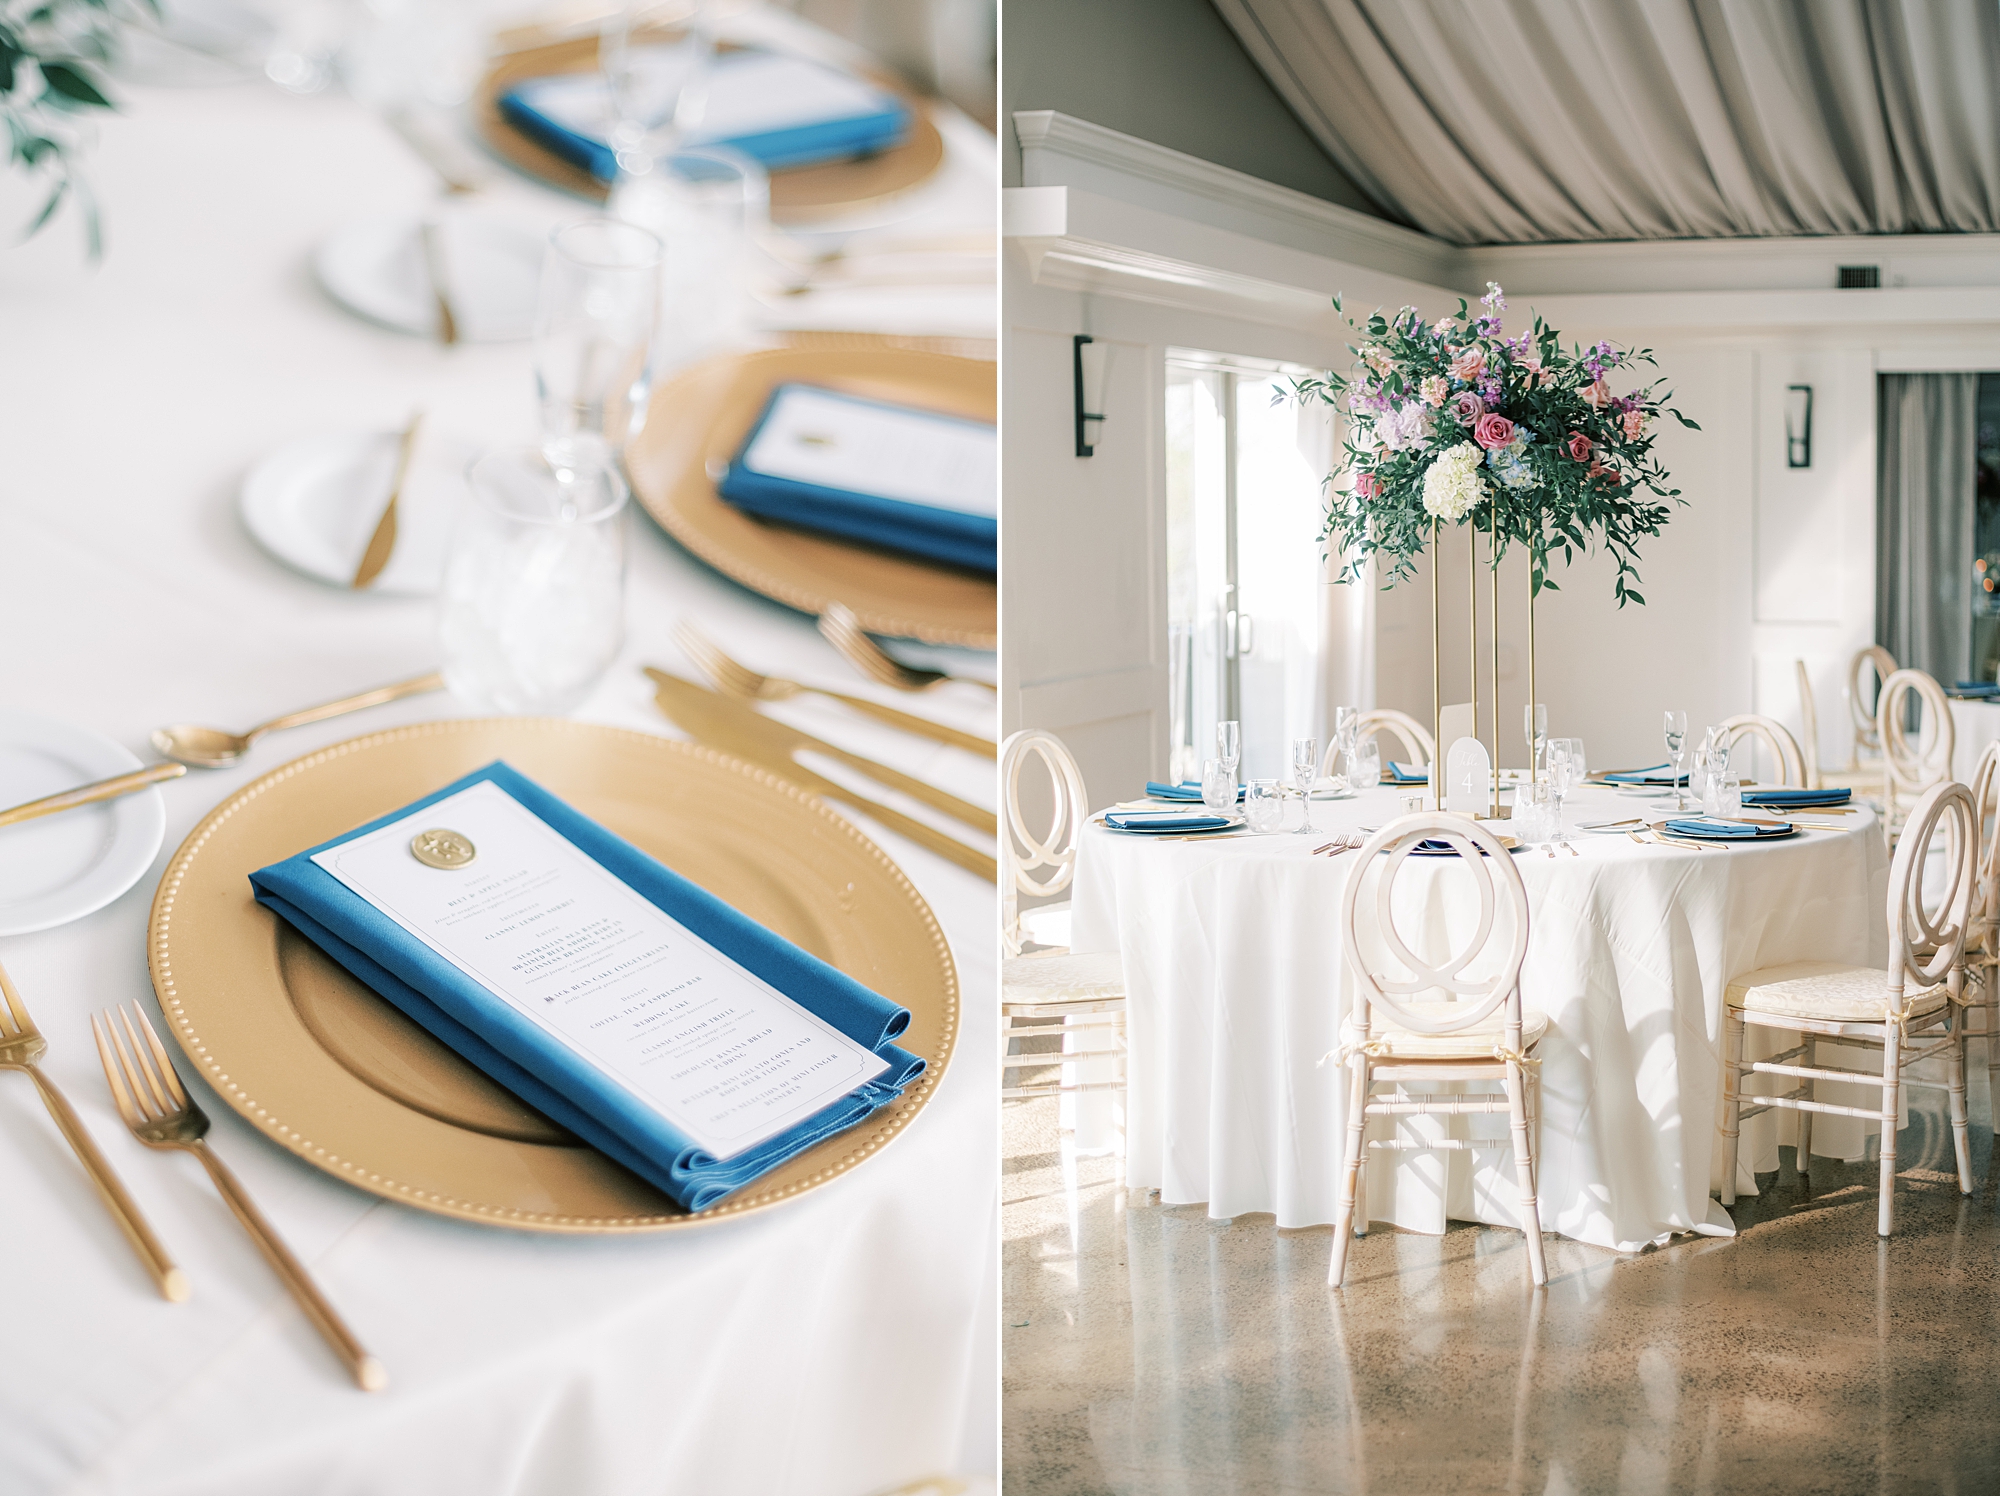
21	1045
844	632
162	1115
734	679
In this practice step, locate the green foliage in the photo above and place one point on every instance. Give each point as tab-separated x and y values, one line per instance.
50	53
1417	391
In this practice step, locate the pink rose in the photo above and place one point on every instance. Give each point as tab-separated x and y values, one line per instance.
1530	364
1579	447
1492	431
1597	395
1599	470
1367	486
1469	364
1467	407
1634	423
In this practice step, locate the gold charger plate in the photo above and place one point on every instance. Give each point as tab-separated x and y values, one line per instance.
799	196
324	1067
698	421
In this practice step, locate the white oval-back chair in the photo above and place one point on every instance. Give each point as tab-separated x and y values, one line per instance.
1076	1000
1862	705
1911	765
1782	746
1808	726
1917	1001
1471	1028
1982	946
1405	729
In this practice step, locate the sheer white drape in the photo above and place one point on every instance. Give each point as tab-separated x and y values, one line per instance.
1512	121
1924	454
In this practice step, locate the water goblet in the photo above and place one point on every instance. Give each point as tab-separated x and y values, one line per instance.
1676	726
1218	787
1263	805
594	326
1305	770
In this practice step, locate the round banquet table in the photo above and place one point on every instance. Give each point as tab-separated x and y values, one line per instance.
1975	725
1238	980
841	1344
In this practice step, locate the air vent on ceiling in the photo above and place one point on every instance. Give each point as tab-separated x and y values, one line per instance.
1860	277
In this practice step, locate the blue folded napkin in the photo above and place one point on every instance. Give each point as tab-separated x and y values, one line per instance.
1658	774
783	111
1712	828
1980	688
1408	774
1188	790
905	479
1798	798
1166	820
547	1073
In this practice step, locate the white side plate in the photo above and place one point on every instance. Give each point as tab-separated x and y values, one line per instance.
493	270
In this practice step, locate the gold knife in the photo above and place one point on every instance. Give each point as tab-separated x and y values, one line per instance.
778	737
433	245
383	541
684	704
90	794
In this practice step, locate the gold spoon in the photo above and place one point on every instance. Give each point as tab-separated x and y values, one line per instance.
212	748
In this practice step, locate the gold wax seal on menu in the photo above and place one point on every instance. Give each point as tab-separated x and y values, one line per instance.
442	849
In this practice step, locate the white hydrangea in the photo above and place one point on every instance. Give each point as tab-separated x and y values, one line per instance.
1452	485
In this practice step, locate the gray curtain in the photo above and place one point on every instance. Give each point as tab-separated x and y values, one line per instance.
1516	121
1924	454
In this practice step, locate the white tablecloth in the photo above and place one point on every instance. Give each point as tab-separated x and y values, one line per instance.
841	1345
1238	980
1975	725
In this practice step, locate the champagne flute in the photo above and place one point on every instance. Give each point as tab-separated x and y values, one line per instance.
1305	769
1566	771
1229	744
1535	729
1677	731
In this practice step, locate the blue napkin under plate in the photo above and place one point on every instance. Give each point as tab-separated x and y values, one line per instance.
1797	799
1976	689
1408	774
1173	820
1733	830
549	1075
1658	774
1188	791
752	106
957	537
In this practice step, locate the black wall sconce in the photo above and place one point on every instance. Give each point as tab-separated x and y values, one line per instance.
1798	425
1088	356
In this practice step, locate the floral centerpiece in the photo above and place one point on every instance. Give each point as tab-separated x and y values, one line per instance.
1452	421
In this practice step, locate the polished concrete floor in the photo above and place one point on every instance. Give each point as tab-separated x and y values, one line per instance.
1150	1351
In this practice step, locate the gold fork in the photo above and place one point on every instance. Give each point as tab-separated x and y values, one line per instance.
161	1115
844	632
733	679
21	1044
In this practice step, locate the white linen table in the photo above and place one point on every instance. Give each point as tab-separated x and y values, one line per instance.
1974	726
1237	982
840	1345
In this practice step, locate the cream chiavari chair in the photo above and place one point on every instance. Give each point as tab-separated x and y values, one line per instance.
1050	993
1784	748
1982	946
1808	726
1919	997
1475	1029
1911	767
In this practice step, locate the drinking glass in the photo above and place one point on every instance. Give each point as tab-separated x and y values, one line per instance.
1229	743
1218	787
1529	824
1676	726
533	604
594	324
1728	795
1263	804
1346	722
1305	769
657	87
1565	774
1365	764
1535	730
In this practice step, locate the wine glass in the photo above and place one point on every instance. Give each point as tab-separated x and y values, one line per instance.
1263	807
1305	769
1677	731
1218	787
1229	743
1566	772
1535	729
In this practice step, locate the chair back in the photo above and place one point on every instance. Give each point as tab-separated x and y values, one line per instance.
1038	863
1405	729
1861	705
1808	727
1913	765
1986	895
1927	946
1498	882
1771	733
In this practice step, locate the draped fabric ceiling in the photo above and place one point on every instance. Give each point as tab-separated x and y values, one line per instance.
1520	121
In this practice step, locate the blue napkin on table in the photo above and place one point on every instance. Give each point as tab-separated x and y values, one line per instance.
1188	790
1706	826
1797	799
1658	774
935	531
1166	820
543	1071
782	111
1420	774
1976	688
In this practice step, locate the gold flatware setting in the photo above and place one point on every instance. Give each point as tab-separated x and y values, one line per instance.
434	270
92	793
734	679
161	1114
844	632
213	748
21	1046
382	541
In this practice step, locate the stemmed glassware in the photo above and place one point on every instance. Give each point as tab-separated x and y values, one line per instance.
1566	771
1229	745
1305	769
593	338
1346	720
1676	727
1535	730
658	90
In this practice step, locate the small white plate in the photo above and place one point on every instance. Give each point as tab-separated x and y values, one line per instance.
492	266
315	503
62	867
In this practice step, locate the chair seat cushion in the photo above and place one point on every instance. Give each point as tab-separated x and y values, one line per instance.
1826	990
1470	1044
1066	978
1047	924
